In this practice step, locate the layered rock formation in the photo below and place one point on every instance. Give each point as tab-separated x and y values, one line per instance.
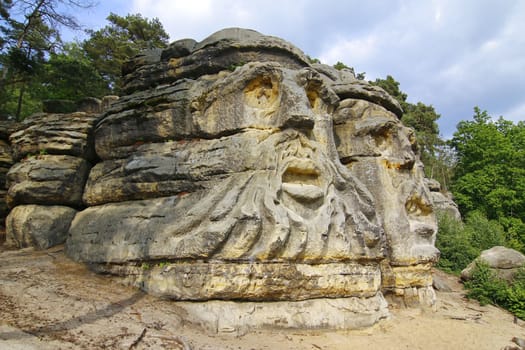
236	170
53	155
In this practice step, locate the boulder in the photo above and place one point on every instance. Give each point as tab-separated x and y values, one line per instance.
47	180
38	226
504	262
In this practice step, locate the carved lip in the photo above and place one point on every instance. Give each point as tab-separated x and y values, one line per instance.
302	179
302	166
303	191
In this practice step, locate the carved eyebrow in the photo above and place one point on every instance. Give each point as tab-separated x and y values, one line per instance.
311	80
374	126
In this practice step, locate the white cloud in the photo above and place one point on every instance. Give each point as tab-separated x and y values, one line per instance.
350	50
199	18
516	113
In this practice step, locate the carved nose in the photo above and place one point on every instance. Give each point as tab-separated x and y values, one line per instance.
299	121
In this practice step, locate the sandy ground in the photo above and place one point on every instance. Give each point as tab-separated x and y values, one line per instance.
49	302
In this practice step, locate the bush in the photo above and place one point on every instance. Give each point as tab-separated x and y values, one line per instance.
484	233
460	243
484	286
454	243
487	288
516	295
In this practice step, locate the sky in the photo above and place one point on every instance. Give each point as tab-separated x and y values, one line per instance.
453	55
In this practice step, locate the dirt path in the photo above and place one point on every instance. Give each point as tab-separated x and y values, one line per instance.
49	302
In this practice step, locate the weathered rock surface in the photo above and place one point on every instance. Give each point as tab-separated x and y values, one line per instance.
251	175
443	202
224	50
7	127
381	152
38	226
504	262
251	281
6	161
47	180
65	134
54	153
241	318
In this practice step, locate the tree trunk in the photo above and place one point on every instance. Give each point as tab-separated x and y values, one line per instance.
20	100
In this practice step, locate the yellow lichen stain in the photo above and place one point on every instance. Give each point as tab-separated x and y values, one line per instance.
261	92
174	67
418	206
174	63
313	98
392	165
412	276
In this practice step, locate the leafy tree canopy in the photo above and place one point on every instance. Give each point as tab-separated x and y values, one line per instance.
29	33
490	171
109	47
70	75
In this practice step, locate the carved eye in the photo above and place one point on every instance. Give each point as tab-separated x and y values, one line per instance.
261	92
313	98
316	102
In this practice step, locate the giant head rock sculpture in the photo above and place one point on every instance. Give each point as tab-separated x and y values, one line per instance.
234	169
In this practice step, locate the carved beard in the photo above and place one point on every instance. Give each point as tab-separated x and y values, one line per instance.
287	199
306	207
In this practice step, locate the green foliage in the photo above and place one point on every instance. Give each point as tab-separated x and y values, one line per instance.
515	298
35	65
70	75
482	232
109	47
390	85
454	243
487	288
312	60
460	243
234	66
490	172
26	40
340	65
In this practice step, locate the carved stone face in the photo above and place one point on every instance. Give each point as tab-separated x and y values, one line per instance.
252	183
304	203
381	152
